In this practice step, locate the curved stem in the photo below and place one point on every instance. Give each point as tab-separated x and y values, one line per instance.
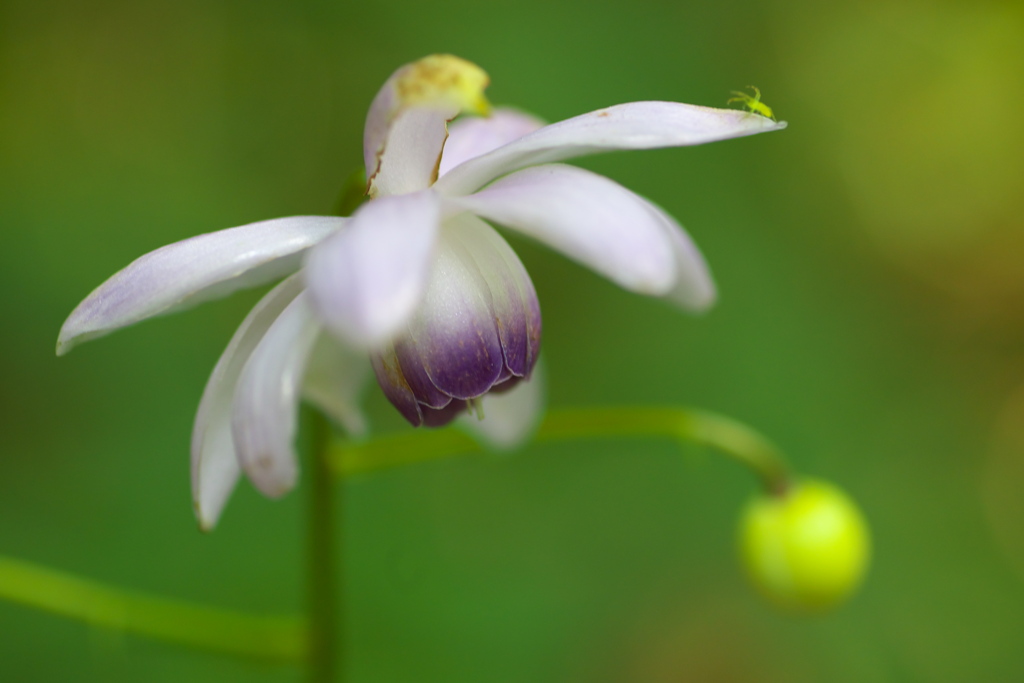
726	435
278	639
316	641
322	562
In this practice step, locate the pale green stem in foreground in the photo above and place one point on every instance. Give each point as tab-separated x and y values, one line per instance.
728	436
277	639
288	639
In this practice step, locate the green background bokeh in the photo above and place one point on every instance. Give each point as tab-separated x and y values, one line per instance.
871	266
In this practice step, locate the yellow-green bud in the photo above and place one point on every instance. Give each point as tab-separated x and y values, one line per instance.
806	549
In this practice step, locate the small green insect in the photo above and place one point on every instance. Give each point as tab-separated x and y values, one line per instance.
753	102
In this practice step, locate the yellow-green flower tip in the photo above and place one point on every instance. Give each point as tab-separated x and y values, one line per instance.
444	80
806	550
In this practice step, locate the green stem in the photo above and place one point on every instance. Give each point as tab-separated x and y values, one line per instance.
277	639
317	640
323	574
727	436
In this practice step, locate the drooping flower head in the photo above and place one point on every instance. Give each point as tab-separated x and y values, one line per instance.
416	279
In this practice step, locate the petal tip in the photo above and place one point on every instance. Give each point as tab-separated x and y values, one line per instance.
272	483
207	509
71	335
705	304
207	515
206	524
703	295
658	282
273	473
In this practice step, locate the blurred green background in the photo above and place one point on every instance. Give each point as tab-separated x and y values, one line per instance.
871	266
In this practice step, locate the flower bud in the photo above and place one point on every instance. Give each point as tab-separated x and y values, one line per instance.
806	549
477	329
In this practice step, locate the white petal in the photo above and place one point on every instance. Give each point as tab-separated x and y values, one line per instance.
694	288
635	125
366	280
588	217
265	413
510	418
473	136
335	378
215	466
409	161
194	270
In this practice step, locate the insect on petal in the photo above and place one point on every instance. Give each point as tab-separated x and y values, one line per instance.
635	125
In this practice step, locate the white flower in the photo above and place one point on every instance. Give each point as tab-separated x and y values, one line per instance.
414	278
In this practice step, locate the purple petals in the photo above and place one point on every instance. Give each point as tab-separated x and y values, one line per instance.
194	270
463	365
394	385
454	328
513	299
415	373
477	326
439	418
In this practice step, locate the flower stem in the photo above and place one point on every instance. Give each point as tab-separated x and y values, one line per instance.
728	436
323	577
268	638
316	639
